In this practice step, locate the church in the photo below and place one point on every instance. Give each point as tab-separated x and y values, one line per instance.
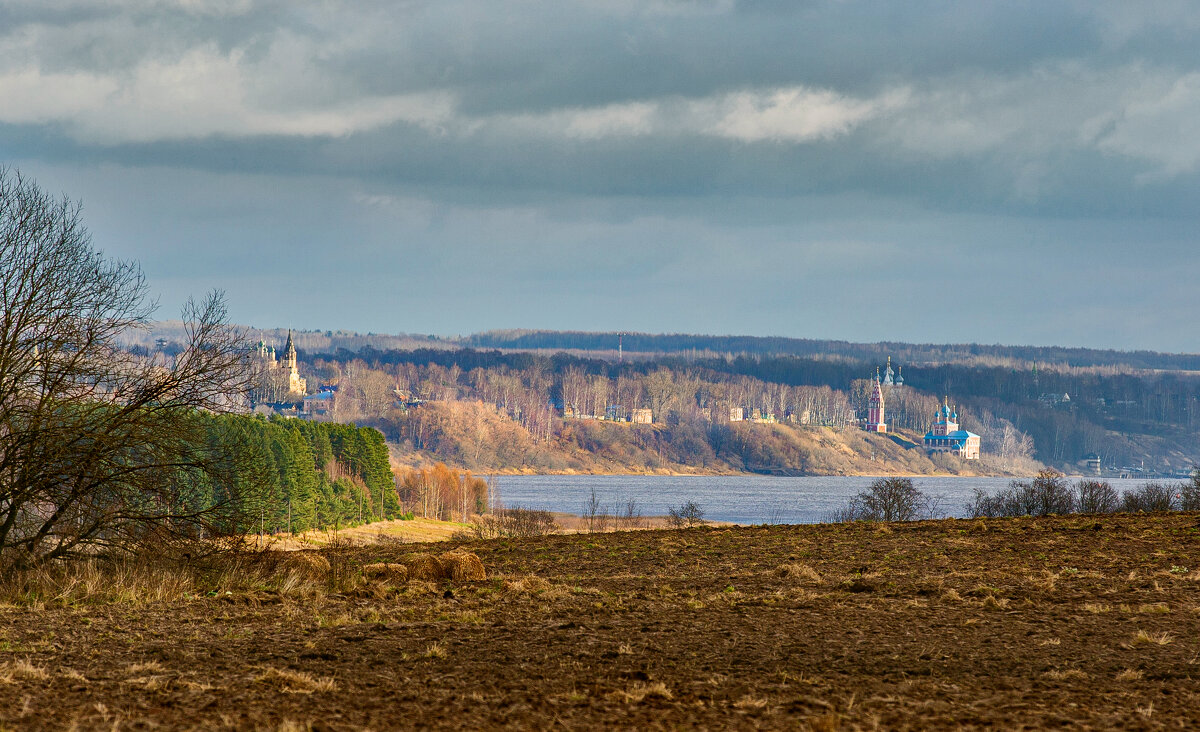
279	380
947	437
876	415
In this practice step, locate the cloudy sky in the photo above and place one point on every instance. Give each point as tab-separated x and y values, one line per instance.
1007	172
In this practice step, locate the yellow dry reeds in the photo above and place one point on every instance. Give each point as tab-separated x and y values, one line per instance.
386	572
463	566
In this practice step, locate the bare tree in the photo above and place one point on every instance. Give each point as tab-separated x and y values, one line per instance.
888	499
99	444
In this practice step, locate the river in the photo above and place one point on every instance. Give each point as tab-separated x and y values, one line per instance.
738	499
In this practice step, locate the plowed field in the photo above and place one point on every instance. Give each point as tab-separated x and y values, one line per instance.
1060	622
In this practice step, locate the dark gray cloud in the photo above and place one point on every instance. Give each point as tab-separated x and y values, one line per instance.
1015	172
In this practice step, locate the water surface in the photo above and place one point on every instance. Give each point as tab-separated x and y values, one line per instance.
739	499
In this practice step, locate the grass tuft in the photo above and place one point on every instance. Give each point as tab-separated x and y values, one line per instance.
640	692
297	682
1065	675
798	572
1142	638
21	670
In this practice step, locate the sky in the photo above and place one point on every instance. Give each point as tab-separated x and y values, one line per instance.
993	172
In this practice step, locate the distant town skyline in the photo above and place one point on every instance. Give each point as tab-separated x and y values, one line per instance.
1016	172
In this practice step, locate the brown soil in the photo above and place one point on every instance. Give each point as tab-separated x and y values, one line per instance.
1077	622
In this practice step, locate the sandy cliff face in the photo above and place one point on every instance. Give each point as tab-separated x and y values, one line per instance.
477	437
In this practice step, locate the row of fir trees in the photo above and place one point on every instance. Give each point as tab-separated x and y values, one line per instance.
293	475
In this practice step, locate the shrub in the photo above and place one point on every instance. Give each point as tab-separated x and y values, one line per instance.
1095	496
513	522
1047	494
686	516
888	499
1189	493
1004	503
1149	498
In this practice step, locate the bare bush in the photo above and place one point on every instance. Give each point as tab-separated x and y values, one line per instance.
630	517
513	522
1047	494
1149	498
595	514
888	499
686	516
1189	493
1095	496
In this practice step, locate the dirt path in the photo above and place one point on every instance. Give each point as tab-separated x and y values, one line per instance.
1076	622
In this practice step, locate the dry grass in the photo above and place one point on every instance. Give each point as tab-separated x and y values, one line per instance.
991	602
134	581
386	572
462	566
640	692
750	701
798	572
21	669
424	567
528	585
1065	675
153	667
297	682
309	564
1130	674
1142	638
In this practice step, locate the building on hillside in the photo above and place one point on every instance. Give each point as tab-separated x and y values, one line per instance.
876	417
319	405
278	380
893	378
1055	399
761	417
737	414
614	413
945	436
641	416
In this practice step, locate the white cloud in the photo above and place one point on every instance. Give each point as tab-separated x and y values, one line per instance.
1146	114
1160	124
793	114
33	97
788	114
200	93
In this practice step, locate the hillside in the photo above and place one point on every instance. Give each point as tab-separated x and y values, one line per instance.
481	438
1139	412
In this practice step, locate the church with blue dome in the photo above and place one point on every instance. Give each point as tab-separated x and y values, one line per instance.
947	437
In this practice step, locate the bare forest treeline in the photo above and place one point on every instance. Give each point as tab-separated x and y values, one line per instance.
774	346
522	411
1056	414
